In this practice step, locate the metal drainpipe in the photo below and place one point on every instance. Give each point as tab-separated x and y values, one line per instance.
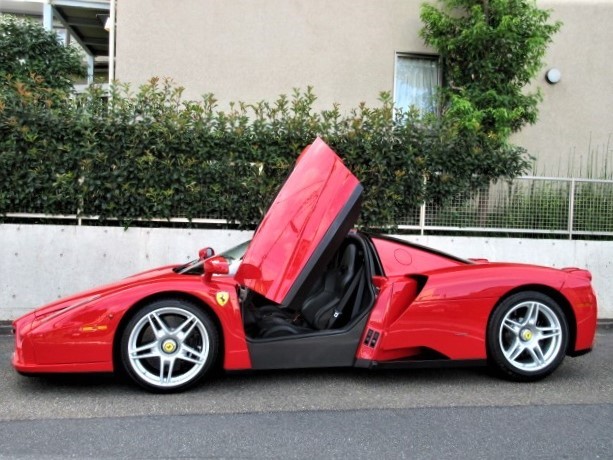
47	15
112	44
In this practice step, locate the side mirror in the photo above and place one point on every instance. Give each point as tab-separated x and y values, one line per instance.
205	253
215	266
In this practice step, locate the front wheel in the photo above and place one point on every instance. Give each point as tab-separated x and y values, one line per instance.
527	336
169	345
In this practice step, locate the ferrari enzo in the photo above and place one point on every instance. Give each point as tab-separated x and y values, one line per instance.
308	291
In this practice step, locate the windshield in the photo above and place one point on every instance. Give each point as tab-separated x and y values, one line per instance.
234	256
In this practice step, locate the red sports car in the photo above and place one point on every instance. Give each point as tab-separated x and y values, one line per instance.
308	291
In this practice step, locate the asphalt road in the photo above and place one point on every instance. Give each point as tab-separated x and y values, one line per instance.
445	413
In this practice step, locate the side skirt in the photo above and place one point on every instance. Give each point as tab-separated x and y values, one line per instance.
321	349
419	363
575	354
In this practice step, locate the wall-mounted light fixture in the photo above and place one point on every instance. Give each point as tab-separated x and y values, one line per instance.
553	76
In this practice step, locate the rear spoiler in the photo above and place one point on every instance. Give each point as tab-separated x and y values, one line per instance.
579	272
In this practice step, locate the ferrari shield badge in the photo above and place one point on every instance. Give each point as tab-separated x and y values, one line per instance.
222	298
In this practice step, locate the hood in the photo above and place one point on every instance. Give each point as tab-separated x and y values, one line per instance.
306	223
84	297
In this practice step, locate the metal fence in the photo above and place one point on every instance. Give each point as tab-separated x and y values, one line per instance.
527	205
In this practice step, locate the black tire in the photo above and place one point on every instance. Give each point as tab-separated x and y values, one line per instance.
527	336
169	345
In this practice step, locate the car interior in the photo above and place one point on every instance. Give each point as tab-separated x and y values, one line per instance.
338	296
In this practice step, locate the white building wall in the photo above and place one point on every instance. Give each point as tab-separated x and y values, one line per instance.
574	133
253	50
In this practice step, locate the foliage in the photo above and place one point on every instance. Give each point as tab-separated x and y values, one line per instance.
490	49
594	207
35	58
533	205
150	154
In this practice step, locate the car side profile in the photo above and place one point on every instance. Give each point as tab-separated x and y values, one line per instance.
309	291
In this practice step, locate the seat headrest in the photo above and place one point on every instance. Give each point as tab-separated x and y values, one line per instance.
349	255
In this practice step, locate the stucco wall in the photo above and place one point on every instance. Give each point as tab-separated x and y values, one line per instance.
575	124
40	263
253	50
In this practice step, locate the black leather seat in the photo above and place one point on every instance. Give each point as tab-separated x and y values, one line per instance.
325	304
318	309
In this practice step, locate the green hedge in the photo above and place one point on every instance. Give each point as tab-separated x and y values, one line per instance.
150	154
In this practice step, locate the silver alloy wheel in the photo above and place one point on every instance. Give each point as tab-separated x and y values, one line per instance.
530	336
168	347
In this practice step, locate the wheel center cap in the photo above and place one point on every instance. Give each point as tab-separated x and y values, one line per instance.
169	345
526	335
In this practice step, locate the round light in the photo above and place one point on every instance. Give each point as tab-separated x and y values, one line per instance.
553	76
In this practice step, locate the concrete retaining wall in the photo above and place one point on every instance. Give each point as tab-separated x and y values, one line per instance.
40	263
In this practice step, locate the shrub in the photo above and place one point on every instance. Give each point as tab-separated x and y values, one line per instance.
150	154
31	55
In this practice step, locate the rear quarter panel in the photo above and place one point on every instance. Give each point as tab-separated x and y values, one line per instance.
451	312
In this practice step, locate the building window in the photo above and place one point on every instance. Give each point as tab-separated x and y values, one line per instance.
416	79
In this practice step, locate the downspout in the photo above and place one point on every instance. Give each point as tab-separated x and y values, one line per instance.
112	43
47	15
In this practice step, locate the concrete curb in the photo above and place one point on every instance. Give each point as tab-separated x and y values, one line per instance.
603	325
5	327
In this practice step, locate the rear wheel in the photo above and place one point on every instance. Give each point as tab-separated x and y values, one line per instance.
169	345
527	336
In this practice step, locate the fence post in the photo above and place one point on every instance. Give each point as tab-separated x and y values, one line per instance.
422	208
422	218
571	208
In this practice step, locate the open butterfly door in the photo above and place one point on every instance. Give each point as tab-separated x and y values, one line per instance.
307	222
